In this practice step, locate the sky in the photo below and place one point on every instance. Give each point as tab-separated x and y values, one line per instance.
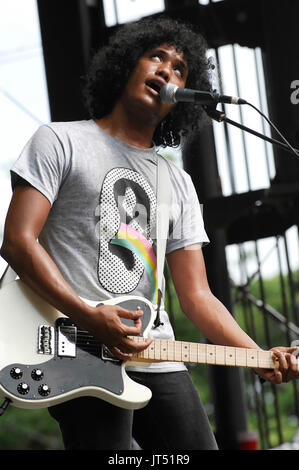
24	99
23	92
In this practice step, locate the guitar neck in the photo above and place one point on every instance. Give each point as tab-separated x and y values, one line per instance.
201	353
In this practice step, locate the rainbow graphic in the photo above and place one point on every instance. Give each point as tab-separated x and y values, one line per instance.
134	241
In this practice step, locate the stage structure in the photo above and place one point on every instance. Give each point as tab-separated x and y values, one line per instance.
71	30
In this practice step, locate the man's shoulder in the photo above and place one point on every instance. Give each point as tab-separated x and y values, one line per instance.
66	127
176	172
60	128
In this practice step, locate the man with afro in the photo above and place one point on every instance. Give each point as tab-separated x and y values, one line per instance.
77	186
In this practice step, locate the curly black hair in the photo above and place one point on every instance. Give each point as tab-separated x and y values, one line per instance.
113	63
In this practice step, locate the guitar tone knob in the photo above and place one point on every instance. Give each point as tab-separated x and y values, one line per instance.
37	374
44	390
16	373
23	388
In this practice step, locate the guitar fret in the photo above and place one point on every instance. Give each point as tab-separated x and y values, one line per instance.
201	353
230	356
146	353
185	351
265	359
151	351
164	345
193	352
252	359
211	355
220	355
157	344
177	351
137	340
241	357
170	352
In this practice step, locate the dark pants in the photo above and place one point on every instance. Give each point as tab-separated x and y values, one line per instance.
174	419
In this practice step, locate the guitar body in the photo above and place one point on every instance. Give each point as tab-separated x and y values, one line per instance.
46	359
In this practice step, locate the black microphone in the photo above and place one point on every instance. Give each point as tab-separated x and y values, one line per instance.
171	93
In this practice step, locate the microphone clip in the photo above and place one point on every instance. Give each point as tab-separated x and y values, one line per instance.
214	113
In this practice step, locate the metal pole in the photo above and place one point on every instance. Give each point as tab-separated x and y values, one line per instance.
70	31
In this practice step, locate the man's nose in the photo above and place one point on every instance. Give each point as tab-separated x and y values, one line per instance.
164	71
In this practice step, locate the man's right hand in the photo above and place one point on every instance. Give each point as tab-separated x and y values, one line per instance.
104	322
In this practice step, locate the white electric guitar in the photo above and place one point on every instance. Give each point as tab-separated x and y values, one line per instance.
46	359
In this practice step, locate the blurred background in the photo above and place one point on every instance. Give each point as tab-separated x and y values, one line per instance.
249	188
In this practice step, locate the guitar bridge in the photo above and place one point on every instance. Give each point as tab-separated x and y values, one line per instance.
45	339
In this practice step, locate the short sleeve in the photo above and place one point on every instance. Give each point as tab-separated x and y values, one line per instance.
42	163
186	221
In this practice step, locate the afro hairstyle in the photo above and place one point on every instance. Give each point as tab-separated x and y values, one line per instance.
112	65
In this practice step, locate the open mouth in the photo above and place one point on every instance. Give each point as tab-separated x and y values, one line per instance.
154	87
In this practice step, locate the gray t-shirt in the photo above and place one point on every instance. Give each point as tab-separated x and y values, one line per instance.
100	188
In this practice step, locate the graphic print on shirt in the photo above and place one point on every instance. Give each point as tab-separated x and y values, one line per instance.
127	212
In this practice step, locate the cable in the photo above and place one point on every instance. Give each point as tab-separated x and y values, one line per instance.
4	406
274	127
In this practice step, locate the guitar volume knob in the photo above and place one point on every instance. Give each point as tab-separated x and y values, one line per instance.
37	374
23	388
44	390
16	373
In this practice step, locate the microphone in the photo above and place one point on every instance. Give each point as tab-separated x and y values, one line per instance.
171	93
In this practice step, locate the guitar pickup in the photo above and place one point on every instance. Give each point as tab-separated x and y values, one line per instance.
66	343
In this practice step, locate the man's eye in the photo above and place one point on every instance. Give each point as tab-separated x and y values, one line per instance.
179	71
156	56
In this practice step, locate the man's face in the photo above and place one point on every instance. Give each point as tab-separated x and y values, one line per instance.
157	67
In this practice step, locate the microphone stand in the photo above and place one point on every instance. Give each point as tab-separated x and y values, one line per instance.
220	116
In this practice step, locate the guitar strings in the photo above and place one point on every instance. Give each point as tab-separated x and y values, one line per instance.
87	342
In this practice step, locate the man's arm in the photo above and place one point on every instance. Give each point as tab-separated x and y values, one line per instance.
26	217
211	317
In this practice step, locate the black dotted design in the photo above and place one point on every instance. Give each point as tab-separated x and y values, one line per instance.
124	195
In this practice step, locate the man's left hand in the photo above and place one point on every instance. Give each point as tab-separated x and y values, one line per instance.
287	367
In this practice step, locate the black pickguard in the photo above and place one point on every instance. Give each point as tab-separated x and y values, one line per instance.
89	368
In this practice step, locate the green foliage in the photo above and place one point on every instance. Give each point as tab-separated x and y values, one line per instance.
276	293
28	430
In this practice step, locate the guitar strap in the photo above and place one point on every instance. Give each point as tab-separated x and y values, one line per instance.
162	228
162	225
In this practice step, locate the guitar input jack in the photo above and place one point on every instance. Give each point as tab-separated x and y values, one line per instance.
4	406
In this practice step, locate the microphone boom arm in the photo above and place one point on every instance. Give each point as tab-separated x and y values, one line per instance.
220	116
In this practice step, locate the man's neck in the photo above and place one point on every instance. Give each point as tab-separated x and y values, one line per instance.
129	129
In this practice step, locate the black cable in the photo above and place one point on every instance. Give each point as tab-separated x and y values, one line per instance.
4	406
274	127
